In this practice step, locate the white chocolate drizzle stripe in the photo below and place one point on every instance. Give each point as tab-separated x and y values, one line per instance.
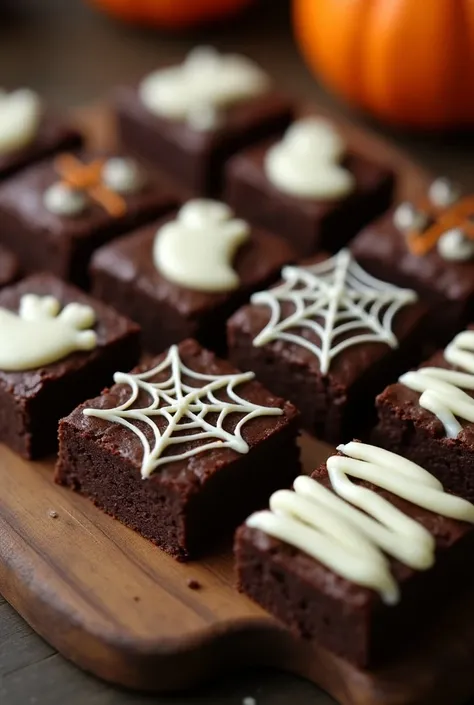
441	389
184	408
352	530
332	298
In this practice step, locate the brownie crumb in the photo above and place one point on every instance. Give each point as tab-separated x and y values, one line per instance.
53	514
193	584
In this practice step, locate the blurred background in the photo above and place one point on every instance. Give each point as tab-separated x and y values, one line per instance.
73	53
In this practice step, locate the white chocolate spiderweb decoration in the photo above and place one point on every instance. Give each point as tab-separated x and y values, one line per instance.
185	409
330	306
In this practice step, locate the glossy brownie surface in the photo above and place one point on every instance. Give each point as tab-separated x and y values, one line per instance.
195	157
32	401
351	619
9	266
188	505
131	259
310	224
53	136
62	244
382	249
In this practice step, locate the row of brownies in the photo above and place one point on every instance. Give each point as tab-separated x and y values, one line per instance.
186	446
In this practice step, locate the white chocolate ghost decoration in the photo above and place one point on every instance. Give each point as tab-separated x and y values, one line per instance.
39	335
20	116
305	163
199	88
197	249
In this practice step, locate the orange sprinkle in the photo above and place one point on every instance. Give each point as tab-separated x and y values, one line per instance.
458	215
88	178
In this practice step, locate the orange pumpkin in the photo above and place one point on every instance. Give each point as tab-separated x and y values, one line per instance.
410	62
171	14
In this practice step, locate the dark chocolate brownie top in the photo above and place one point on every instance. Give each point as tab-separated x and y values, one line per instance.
52	136
348	365
9	266
383	249
110	327
234	122
22	196
404	402
446	532
130	259
122	444
249	166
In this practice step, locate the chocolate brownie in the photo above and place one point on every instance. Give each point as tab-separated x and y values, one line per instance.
125	275
408	426
56	213
323	584
441	271
9	267
195	151
185	494
53	136
36	393
313	221
326	339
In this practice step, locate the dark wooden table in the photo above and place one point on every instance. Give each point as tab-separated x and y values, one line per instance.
73	56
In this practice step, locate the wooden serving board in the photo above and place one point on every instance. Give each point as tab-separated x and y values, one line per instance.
117	606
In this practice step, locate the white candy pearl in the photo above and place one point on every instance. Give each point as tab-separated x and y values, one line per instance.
442	193
454	246
406	217
122	175
61	199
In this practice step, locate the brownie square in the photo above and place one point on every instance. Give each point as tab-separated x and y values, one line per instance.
62	243
337	401
124	274
308	223
351	619
183	502
196	157
32	401
406	427
9	267
447	284
53	136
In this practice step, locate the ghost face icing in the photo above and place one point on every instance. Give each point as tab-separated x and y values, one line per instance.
305	163
40	335
20	116
203	85
197	249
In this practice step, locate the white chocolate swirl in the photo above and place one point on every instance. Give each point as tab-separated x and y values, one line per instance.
352	530
442	390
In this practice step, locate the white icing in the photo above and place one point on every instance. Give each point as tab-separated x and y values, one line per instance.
337	302
441	389
62	199
352	529
454	246
407	217
122	175
305	162
40	335
185	407
199	88
442	193
20	116
197	249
